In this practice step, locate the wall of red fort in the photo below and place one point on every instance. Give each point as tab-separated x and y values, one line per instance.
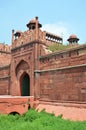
53	77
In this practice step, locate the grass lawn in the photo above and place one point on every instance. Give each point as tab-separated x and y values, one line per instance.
33	120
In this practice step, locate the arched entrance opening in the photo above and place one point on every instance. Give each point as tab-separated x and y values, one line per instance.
25	85
14	113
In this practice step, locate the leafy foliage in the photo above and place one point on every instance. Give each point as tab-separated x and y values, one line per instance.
33	120
60	47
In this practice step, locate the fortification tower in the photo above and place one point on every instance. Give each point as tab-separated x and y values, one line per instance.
25	53
73	39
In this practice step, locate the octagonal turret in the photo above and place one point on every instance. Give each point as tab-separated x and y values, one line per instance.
73	39
32	24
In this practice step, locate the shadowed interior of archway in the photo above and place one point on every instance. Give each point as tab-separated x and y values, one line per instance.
25	84
14	113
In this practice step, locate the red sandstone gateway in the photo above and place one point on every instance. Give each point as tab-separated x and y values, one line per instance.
29	70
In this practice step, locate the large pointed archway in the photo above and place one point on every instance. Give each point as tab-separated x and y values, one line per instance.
25	85
23	77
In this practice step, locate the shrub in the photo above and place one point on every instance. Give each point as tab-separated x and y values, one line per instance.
33	120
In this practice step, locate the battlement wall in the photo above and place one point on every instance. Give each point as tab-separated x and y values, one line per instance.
28	36
70	57
5	47
63	75
24	38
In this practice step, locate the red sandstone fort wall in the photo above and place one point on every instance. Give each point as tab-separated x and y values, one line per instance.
64	84
4	86
5	60
63	59
55	76
63	76
4	80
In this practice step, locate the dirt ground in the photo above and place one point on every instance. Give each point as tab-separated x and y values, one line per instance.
68	112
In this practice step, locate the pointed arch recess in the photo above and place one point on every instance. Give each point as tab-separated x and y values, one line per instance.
22	74
23	65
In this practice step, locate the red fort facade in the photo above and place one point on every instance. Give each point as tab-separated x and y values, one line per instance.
29	68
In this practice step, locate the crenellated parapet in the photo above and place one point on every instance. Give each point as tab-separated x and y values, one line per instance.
21	38
5	48
65	58
34	33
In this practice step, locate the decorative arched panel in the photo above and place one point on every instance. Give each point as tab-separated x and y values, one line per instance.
22	66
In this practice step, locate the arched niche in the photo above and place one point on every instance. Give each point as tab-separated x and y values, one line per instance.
22	66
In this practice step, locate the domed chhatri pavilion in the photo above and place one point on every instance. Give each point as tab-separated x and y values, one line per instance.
73	39
29	69
32	24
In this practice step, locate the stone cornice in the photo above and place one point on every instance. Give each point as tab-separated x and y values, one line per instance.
26	44
5	67
62	68
4	77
